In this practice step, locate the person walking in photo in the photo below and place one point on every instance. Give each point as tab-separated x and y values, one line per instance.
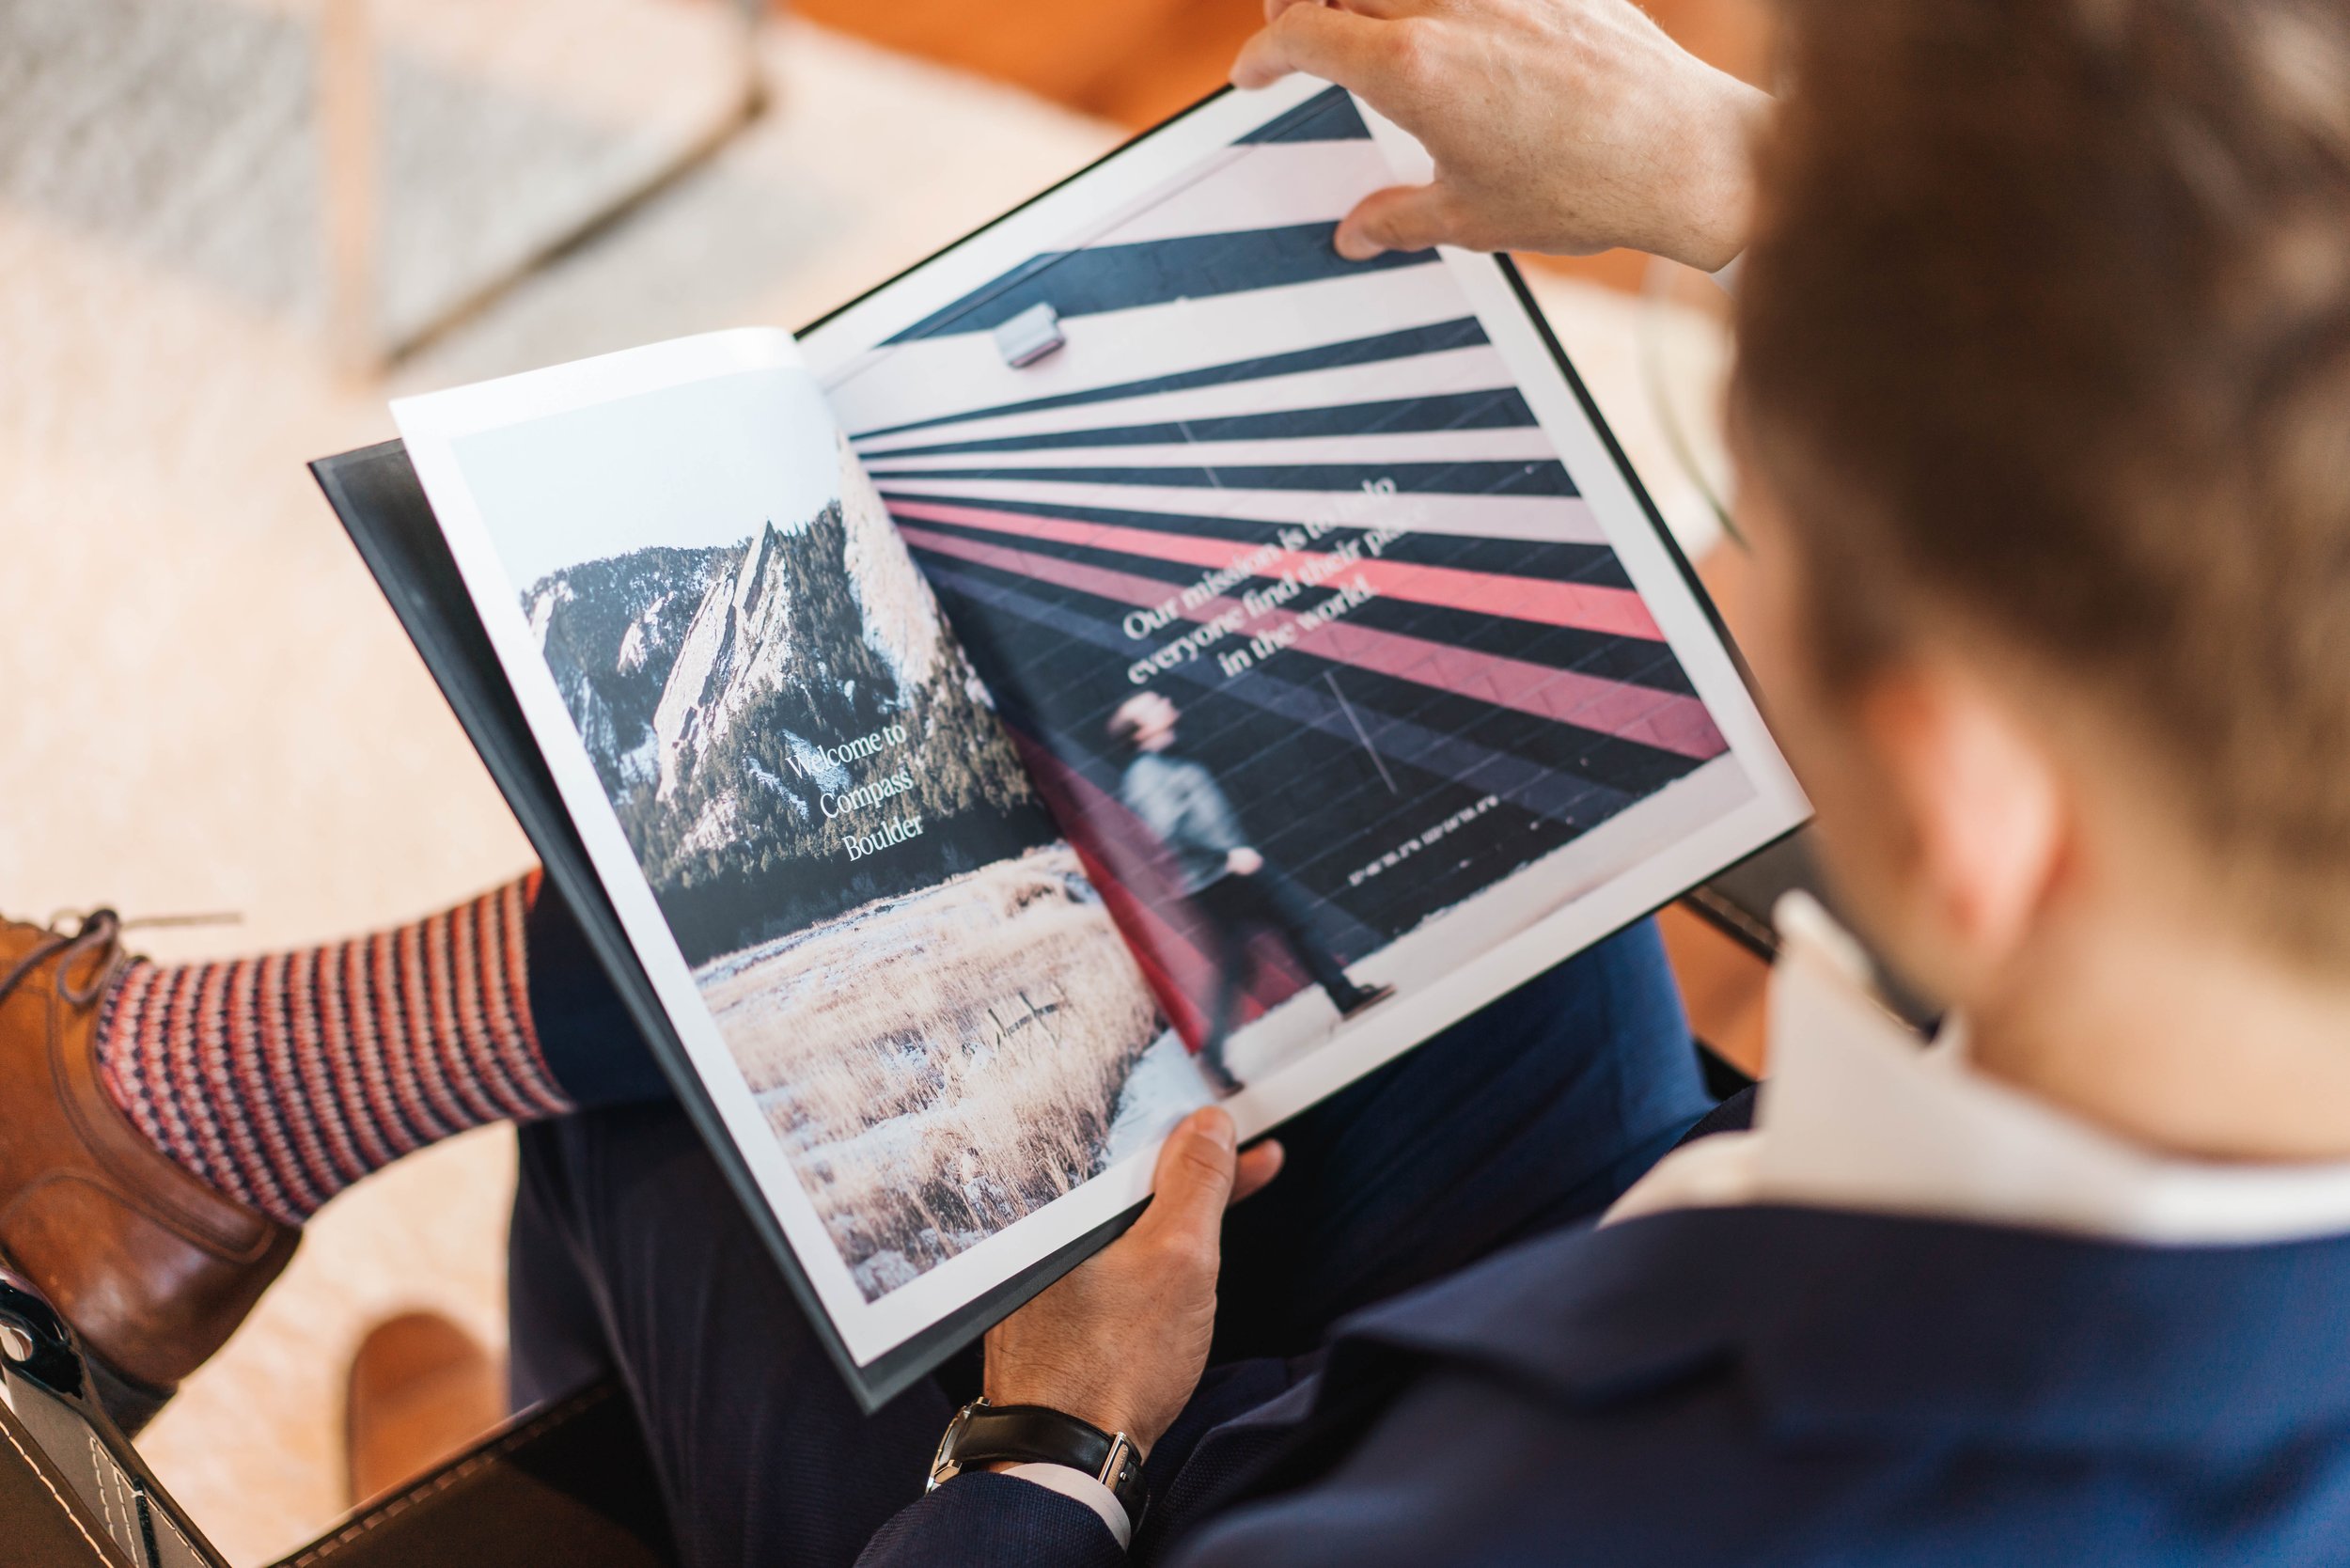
1228	880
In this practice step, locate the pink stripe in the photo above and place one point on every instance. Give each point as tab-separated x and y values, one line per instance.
1666	720
266	1069
231	1136
122	1046
358	1145
517	965
375	1113
392	1041
465	985
494	999
492	1074
1617	612
254	1032
132	1054
416	1020
174	1058
296	1126
481	960
464	1064
324	1132
512	1008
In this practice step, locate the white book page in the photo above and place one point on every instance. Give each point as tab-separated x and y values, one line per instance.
908	1005
1353	523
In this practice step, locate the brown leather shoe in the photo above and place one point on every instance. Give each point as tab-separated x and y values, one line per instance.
421	1391
153	1268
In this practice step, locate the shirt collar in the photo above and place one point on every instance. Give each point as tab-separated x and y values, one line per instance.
1857	1117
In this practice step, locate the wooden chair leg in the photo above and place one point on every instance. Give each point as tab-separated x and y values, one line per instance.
349	182
350	122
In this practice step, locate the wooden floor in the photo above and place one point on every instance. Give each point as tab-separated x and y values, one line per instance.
1137	61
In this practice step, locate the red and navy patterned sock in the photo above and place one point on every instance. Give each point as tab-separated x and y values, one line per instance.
282	1080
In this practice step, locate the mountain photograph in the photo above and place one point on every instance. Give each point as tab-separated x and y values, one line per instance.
925	994
716	690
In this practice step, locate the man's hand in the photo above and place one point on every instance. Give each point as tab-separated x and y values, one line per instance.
1567	126
1243	862
1120	1341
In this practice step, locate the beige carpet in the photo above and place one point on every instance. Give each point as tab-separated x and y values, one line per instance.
207	706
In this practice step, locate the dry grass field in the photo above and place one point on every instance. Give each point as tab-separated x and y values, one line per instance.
940	1065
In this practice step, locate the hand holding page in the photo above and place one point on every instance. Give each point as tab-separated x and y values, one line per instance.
1203	669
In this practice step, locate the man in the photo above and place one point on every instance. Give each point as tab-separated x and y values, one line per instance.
1225	878
2041	415
2043	394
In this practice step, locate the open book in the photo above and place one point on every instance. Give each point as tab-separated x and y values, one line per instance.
1135	659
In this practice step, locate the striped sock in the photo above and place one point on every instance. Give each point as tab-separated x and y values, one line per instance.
282	1080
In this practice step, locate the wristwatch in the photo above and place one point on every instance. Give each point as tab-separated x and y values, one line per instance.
984	1433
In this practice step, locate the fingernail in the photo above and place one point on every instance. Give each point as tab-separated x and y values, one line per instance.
1353	247
1220	1130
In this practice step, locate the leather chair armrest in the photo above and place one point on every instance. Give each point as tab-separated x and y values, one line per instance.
41	1518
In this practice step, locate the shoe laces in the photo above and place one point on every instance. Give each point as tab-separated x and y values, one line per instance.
96	934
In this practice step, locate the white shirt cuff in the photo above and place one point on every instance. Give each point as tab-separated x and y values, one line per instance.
1078	1485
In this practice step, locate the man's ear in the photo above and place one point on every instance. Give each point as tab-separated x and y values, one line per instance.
1984	805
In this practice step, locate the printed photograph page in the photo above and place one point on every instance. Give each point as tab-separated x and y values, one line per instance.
905	995
1327	625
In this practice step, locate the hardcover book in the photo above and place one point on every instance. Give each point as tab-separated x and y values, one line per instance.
1135	659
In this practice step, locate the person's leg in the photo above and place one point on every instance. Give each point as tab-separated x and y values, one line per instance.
280	1080
1284	908
591	1045
1532	1113
1230	957
632	1251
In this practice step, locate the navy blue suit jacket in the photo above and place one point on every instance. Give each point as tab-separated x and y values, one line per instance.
1758	1385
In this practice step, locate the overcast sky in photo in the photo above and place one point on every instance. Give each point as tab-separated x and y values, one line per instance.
706	462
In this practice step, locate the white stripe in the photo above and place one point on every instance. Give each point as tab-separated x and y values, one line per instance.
1427	375
935	377
1556	519
1269	185
1527	444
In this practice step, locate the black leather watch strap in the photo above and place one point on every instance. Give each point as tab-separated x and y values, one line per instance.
983	1435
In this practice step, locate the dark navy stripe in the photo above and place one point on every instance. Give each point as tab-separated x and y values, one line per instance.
1635	660
1632	661
1496	409
979	597
1549	560
1156	272
1550	743
1593	564
1329	116
1610	759
1411	478
1411	342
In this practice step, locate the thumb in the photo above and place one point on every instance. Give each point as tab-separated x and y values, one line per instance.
1194	1182
1402	217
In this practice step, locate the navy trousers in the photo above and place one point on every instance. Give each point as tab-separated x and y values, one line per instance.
631	1255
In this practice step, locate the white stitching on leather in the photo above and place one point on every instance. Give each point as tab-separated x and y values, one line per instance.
68	1507
561	1415
103	1466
